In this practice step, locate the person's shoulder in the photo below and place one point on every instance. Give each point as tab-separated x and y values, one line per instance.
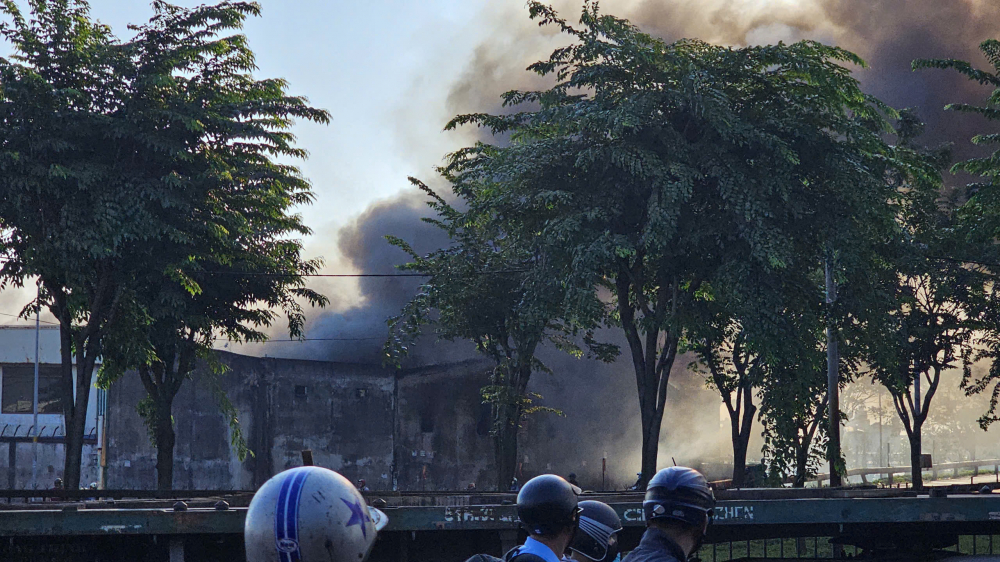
525	557
649	555
518	554
484	558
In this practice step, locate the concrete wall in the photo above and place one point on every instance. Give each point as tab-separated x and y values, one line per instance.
342	412
429	421
442	439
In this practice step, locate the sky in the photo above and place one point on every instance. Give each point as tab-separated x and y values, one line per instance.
392	72
361	61
364	62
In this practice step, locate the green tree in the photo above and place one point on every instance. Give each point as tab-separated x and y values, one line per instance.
733	369
653	171
494	288
793	414
69	215
931	323
978	220
237	263
129	168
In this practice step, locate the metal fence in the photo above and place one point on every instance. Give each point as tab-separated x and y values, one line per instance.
823	548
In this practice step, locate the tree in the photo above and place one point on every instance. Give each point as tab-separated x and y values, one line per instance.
932	323
494	288
69	214
242	268
120	159
655	170
978	220
793	412
734	370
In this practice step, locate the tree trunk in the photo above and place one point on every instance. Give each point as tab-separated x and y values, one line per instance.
801	466
165	439
505	444
650	448
651	360
741	434
915	449
76	423
739	463
75	426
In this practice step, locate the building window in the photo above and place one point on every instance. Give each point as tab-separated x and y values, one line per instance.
19	384
301	391
426	422
483	423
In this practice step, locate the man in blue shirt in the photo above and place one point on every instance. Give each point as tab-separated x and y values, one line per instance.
548	511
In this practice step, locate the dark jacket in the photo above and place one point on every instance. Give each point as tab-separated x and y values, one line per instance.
656	546
512	556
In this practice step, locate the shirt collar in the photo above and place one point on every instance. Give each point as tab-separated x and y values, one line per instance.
531	546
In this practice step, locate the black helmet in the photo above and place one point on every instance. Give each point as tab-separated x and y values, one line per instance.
597	539
546	504
679	493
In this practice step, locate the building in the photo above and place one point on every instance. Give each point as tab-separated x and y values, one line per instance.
408	429
422	428
17	375
411	429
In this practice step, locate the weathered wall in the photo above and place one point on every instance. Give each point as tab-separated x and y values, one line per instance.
442	440
438	429
342	412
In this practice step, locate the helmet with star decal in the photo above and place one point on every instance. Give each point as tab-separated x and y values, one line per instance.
310	513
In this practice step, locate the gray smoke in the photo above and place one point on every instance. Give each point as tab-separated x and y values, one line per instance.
599	400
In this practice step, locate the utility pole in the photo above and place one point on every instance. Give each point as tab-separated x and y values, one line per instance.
34	400
880	463
832	377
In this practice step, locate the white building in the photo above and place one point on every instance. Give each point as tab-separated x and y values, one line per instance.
17	372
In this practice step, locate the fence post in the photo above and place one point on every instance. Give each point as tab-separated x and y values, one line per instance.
11	465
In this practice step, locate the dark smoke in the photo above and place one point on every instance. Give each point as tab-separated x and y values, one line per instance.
599	400
354	329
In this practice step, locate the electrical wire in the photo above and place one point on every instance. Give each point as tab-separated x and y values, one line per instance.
303	340
18	317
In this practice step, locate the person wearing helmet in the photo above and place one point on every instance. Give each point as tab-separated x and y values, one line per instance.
597	537
548	510
310	513
679	505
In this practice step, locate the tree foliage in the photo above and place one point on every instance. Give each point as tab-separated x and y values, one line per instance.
977	224
656	172
492	286
142	189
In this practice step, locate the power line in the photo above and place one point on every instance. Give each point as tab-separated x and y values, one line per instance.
266	274
18	317
304	339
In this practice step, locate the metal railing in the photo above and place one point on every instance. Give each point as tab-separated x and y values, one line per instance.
823	548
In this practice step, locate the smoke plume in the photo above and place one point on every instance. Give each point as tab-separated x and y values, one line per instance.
599	400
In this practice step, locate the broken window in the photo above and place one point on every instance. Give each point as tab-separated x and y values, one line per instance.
426	422
483	423
19	384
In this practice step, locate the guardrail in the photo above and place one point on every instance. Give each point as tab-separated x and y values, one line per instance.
889	471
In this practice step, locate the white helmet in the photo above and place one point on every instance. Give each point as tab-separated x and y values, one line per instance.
310	513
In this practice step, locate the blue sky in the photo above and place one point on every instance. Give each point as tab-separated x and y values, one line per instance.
382	68
365	62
